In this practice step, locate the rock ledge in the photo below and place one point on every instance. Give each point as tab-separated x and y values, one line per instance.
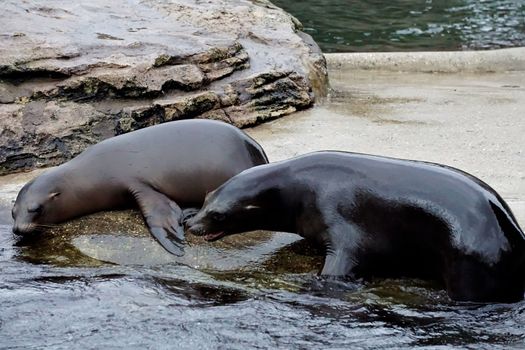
75	73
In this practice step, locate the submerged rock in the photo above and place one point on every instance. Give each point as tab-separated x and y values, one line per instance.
120	237
75	73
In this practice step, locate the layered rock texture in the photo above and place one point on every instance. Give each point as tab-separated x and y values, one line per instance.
73	73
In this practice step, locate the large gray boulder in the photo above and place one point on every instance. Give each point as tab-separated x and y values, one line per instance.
73	73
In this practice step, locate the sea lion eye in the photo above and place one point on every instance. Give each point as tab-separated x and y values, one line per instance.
36	209
54	195
218	216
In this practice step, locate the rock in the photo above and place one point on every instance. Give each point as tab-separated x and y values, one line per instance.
73	74
120	237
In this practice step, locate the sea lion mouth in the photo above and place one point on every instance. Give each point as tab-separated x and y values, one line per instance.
211	237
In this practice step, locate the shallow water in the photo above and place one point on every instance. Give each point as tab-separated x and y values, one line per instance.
410	25
93	304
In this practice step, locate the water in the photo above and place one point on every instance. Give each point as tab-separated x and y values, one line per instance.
410	25
89	304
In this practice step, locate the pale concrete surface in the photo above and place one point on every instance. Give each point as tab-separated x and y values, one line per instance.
503	60
474	122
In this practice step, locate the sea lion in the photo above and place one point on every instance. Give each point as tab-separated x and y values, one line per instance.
380	217
160	168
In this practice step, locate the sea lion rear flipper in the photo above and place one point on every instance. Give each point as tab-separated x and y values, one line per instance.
163	218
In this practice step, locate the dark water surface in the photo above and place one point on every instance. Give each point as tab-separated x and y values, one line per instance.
410	25
58	300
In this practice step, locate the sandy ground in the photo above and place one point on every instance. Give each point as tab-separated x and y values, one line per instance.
474	122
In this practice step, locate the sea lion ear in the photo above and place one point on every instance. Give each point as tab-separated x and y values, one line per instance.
251	207
53	195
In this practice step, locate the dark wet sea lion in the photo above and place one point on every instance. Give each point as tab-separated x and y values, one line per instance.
161	168
380	217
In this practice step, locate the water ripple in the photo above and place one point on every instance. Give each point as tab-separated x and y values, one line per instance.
174	306
411	25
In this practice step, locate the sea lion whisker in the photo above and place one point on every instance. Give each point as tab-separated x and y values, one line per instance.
45	225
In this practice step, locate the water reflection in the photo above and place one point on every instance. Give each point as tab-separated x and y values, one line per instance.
200	294
53	303
410	25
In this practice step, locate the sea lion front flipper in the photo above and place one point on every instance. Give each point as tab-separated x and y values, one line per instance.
341	249
163	218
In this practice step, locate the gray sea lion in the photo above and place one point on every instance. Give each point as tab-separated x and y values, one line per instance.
380	217
160	168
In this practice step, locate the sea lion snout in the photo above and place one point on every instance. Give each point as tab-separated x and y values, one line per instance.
195	223
197	226
24	228
201	230
16	230
25	217
194	227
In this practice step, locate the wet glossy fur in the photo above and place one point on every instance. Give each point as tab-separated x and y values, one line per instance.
385	217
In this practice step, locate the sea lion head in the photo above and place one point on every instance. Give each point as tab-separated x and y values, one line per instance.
37	205
244	203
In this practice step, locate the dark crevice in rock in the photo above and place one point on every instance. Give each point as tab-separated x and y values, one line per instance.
17	162
130	120
151	83
215	54
94	89
50	150
175	85
90	89
16	77
164	111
